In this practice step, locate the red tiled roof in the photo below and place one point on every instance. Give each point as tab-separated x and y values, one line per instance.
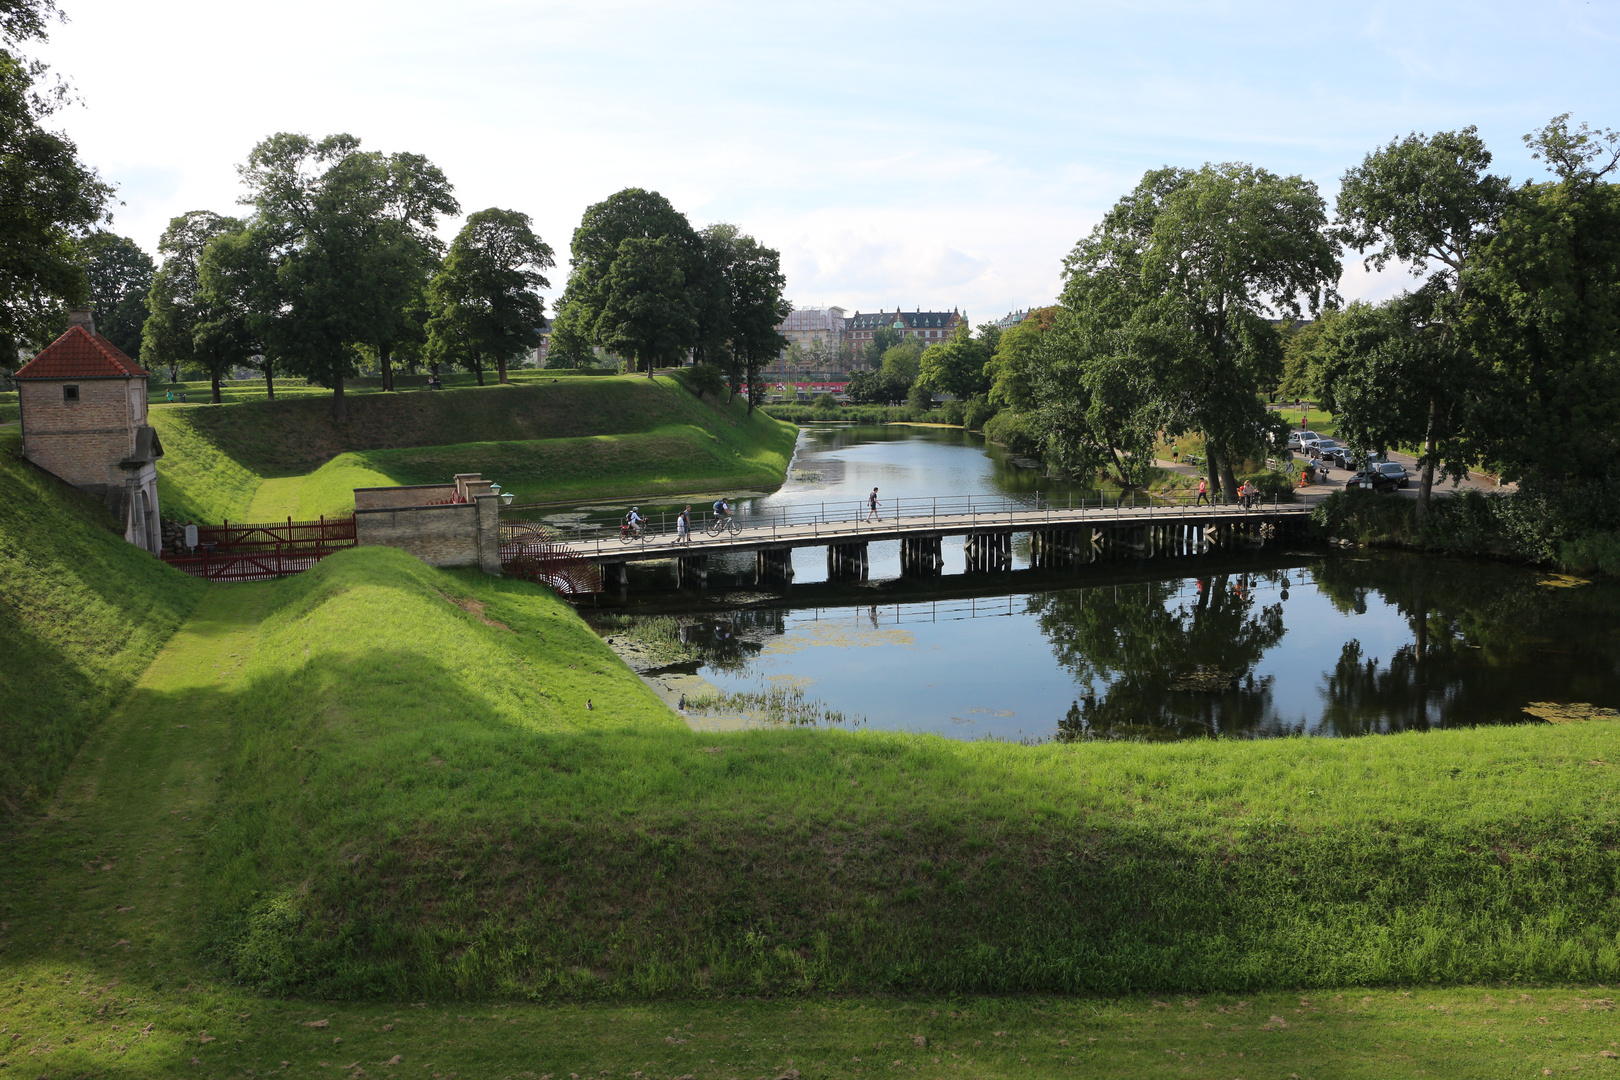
79	354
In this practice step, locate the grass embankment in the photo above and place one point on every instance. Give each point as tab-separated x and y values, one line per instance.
396	789
546	441
10	411
81	615
232	391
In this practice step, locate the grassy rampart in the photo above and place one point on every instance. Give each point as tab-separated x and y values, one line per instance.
81	615
396	789
598	437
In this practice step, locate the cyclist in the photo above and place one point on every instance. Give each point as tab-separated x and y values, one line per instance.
634	522
722	509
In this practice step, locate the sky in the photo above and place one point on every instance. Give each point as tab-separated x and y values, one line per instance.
932	155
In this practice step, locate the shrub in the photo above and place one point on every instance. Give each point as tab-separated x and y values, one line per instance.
704	379
825	406
977	412
920	398
1272	485
1598	552
1014	431
952	412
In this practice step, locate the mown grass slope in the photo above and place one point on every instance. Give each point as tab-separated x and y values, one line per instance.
396	789
81	615
575	437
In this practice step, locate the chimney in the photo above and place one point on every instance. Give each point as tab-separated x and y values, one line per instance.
82	317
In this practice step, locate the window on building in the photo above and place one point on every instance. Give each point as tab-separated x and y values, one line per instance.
70	393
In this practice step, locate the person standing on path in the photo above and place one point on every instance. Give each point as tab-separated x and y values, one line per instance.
683	527
1203	492
872	504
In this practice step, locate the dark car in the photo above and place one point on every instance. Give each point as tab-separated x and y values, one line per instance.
1385	476
1322	448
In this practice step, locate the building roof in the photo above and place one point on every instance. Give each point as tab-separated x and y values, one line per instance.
80	354
911	320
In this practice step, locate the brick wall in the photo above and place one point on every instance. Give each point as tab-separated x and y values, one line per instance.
438	535
411	495
81	441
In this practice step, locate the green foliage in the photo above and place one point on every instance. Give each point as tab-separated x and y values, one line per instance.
876	388
484	303
956	367
647	312
81	615
742	306
976	412
1014	431
825	406
1009	366
1274	486
883	339
120	276
952	412
704	379
903	361
919	398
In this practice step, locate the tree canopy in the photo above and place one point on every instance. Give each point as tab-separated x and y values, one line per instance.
120	276
485	302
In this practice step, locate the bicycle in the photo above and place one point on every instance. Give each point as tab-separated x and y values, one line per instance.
727	524
630	533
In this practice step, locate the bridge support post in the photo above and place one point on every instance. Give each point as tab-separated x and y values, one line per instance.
773	565
847	562
692	571
920	556
988	552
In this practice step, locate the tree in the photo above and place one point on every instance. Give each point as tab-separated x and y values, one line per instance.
956	367
636	214
241	301
570	341
351	232
1427	202
176	300
902	361
876	388
485	303
883	339
120	276
1009	368
646	313
1543	315
1171	294
48	197
754	282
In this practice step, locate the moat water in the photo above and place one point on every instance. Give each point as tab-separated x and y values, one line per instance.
1288	640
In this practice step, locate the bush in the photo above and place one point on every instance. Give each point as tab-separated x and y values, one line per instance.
1599	552
1014	431
825	406
951	412
977	412
704	379
1272	485
920	398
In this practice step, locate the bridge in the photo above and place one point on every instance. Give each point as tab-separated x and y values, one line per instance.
1062	534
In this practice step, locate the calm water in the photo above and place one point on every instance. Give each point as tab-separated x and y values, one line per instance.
1270	643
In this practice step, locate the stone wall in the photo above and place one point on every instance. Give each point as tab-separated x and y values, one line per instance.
451	534
382	498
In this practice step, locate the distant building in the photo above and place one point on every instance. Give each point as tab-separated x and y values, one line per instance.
928	327
544	347
83	406
812	326
1012	318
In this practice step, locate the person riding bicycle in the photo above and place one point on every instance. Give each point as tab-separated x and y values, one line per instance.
634	523
722	509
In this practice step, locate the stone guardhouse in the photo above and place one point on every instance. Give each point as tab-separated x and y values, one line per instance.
84	419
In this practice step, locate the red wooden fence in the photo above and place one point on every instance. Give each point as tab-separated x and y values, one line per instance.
264	550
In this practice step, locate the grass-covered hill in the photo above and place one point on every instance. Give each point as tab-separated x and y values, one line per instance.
382	780
603	437
82	613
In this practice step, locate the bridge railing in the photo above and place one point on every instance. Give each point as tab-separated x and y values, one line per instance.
606	534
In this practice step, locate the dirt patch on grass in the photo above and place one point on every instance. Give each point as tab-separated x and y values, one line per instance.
475	608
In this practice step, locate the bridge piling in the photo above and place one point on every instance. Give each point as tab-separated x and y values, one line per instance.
773	565
692	572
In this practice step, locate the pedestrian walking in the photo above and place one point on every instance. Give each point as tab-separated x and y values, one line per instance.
683	527
1203	492
872	504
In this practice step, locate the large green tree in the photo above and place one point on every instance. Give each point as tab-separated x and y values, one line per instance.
485	304
1169	300
120	277
1009	367
1544	318
48	197
753	283
351	234
598	243
1428	203
177	303
647	314
957	366
240	303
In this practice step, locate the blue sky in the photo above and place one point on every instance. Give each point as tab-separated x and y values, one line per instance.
931	155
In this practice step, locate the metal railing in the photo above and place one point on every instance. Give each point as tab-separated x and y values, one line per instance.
847	521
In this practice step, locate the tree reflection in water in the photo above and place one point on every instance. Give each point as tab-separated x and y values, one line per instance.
1160	661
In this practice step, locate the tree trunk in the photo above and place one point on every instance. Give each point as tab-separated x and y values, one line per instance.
269	380
500	366
1212	464
1426	485
340	408
213	378
478	369
386	354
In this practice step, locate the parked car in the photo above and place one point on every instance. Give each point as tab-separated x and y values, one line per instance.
1322	448
1296	439
1395	471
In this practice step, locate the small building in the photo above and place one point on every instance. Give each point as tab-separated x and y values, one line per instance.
814	326
84	419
